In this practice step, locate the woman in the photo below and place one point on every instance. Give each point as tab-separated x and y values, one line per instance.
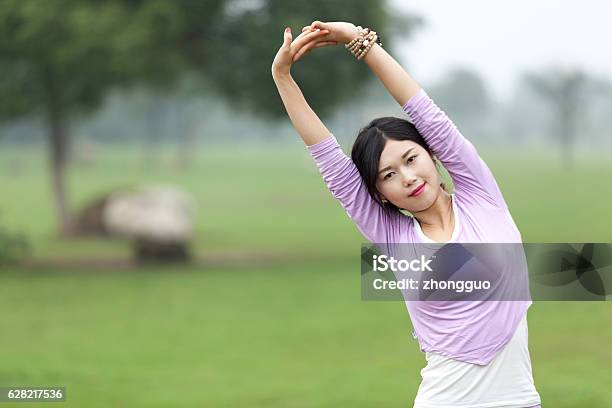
476	352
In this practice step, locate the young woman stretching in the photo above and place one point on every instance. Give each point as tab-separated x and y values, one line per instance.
476	352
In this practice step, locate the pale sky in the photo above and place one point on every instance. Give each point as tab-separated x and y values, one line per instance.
501	39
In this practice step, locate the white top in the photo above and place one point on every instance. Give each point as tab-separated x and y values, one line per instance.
507	381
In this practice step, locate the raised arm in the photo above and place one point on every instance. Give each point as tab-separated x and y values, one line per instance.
338	170
304	119
400	85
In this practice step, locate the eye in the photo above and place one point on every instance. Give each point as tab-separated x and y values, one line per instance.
388	175
411	159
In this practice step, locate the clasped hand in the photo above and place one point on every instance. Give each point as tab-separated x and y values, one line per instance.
316	35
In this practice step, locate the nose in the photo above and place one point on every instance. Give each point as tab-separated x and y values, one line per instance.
408	179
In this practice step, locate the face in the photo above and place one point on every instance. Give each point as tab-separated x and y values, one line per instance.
407	176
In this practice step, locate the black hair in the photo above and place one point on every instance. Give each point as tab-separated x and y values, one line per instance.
370	144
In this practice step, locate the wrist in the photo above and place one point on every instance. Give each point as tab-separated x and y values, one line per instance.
280	75
352	33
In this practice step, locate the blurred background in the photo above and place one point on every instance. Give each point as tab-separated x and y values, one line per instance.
166	239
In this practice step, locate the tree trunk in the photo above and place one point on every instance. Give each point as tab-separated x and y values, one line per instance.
567	131
58	152
58	142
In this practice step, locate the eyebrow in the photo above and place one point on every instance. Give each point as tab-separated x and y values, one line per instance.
403	155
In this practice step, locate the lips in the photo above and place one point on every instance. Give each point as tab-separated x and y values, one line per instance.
418	190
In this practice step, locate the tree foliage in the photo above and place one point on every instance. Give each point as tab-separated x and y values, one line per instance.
564	92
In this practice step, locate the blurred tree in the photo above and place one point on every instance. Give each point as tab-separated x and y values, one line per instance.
598	121
564	91
464	96
60	58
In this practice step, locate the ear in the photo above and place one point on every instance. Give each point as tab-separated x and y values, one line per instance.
382	199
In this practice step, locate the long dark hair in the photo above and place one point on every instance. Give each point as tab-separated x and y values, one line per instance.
371	142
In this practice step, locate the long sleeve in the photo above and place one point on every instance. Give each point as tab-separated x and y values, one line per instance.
344	182
472	177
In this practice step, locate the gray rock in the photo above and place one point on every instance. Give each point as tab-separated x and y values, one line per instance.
156	215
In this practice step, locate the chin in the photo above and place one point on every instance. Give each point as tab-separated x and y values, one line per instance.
425	201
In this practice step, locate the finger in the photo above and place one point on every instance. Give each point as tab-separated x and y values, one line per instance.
302	50
314	33
324	43
318	24
301	47
305	49
303	33
299	43
316	45
299	55
287	37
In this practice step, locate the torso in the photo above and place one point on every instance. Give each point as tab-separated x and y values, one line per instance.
462	379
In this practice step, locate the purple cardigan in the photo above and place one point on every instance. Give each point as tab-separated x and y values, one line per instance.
472	332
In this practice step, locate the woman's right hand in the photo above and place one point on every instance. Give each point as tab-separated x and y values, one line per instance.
286	53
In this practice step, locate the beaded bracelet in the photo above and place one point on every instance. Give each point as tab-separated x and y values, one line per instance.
360	45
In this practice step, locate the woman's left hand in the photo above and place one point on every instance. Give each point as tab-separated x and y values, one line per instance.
339	31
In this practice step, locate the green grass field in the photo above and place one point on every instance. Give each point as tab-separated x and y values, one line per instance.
286	333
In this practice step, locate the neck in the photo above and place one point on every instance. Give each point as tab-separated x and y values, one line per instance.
439	215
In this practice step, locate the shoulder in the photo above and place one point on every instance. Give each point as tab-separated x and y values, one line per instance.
475	199
489	222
